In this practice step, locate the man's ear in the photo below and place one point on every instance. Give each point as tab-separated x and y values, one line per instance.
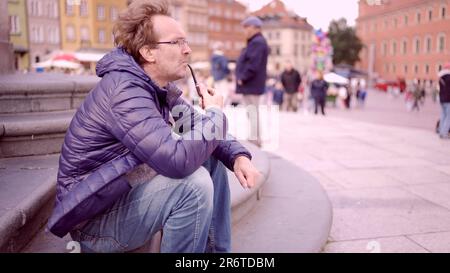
147	54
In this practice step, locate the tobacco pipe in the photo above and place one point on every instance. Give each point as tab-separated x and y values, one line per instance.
197	87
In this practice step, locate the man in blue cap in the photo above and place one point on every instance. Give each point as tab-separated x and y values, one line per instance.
251	73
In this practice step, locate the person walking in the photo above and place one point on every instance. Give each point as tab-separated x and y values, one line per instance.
319	89
291	80
220	71
444	98
416	95
251	73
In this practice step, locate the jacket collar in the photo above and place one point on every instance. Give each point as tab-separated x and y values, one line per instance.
120	60
254	36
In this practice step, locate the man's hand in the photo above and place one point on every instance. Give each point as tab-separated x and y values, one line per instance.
239	82
245	172
209	98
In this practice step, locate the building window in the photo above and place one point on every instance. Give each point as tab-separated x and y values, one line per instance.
69	8
33	34
417	46
101	36
70	33
277	51
394	48
405	20
441	43
384	48
55	10
427	44
50	35
40	11
53	35
405	69
49	9
32	7
405	46
84	8
443	12
418	17
386	68
395	22
101	13
14	24
84	34
427	69
394	68
114	14
416	69
430	15
40	37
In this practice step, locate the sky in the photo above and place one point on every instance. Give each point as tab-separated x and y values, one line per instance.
318	12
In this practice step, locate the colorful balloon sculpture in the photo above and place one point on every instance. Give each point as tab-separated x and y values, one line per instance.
322	52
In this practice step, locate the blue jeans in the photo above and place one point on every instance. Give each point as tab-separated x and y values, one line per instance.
444	124
194	214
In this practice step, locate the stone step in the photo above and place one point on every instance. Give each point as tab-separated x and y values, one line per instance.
293	216
26	134
43	92
27	189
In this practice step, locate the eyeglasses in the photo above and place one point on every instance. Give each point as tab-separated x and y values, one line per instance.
180	42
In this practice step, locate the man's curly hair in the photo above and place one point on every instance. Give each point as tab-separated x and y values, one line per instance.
134	27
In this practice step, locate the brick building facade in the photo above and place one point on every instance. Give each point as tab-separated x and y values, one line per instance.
225	17
404	38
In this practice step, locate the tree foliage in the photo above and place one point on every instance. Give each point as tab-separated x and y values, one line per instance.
346	44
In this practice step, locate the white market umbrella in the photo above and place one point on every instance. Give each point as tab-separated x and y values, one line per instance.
335	78
66	64
58	64
201	65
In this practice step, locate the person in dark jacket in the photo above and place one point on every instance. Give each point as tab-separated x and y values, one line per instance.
291	80
251	73
444	97
124	174
319	89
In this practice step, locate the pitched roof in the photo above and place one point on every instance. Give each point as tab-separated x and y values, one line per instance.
275	14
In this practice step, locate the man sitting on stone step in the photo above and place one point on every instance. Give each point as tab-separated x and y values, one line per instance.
123	174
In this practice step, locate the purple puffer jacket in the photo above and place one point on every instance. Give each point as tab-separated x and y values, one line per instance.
124	122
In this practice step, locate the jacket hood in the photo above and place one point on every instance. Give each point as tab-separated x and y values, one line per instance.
443	73
218	52
120	60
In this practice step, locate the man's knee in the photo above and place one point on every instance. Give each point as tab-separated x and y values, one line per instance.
201	183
